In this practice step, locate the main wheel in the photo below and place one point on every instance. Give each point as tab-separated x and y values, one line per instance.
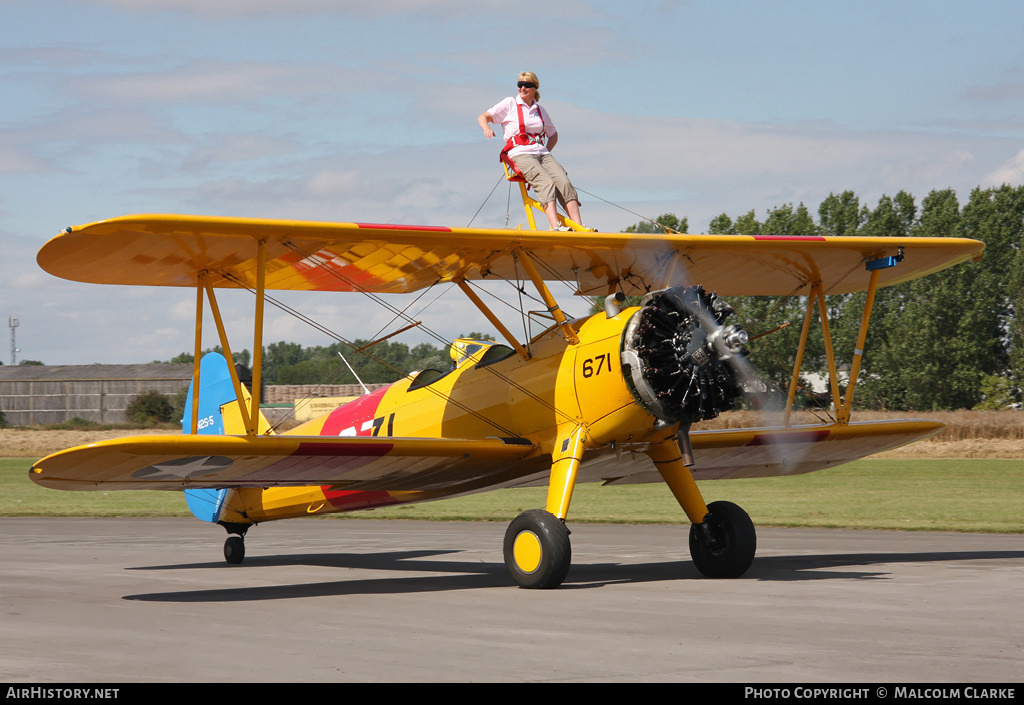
234	549
537	550
724	545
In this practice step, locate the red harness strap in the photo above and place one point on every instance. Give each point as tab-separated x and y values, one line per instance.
522	138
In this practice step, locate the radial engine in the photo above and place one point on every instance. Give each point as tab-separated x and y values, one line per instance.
680	359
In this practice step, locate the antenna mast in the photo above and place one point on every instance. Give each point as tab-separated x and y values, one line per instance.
12	321
365	390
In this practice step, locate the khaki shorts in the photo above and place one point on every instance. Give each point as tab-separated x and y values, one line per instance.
547	177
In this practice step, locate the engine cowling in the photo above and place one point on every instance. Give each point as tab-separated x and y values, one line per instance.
676	351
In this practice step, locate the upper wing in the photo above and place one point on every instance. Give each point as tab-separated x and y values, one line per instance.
170	250
356	463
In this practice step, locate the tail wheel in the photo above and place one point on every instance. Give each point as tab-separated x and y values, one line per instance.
234	549
724	545
537	550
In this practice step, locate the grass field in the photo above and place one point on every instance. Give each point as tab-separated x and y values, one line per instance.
974	495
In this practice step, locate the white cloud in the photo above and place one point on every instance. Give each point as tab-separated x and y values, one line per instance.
1013	91
30	279
251	8
16	158
1011	172
356	111
196	82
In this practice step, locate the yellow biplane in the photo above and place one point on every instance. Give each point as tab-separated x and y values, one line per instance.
608	397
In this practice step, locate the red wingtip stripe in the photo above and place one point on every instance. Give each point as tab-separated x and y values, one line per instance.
764	439
418	228
791	238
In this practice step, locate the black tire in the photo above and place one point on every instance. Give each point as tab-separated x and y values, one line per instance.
234	550
537	550
724	546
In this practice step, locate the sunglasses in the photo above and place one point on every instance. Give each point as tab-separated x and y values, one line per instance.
526	84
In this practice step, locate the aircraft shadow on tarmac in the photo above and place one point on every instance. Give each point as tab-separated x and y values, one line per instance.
465	575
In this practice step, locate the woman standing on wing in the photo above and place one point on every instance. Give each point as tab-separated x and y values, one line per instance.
529	138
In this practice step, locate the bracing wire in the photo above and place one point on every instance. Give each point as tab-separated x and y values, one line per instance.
341	339
493	189
520	288
623	208
321	263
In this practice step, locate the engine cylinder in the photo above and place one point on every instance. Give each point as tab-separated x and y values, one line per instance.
679	351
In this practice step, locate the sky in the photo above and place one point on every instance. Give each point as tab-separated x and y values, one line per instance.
366	112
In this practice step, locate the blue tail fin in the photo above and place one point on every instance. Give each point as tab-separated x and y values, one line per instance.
215	389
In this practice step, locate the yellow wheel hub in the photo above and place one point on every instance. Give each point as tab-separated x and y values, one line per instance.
526	551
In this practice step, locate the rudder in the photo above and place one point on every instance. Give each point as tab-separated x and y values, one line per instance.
218	415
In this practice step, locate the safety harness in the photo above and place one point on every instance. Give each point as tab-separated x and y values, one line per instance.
522	138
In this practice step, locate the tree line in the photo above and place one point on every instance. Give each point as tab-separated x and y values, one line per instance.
951	340
381	362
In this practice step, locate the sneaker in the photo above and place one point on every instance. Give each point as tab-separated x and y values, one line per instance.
562	229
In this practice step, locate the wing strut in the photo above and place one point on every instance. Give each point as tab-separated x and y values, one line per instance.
257	343
236	383
197	352
549	300
471	295
858	352
843	407
798	363
250	417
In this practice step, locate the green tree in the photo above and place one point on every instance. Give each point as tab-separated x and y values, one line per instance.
241	357
149	408
279	356
841	215
747	224
1015	324
790	221
774	322
665	220
722	225
892	217
943	334
997	393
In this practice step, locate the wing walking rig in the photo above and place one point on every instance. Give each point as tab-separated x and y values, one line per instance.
607	398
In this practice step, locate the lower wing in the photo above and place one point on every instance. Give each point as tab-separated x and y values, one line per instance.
768	452
440	465
357	463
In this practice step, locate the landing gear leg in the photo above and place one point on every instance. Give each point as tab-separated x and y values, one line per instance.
722	537
537	549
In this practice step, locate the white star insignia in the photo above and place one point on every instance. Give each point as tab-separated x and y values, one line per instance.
184	468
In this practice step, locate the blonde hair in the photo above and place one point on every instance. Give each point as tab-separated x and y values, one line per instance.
532	78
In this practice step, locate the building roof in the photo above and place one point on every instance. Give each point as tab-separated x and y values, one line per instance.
51	373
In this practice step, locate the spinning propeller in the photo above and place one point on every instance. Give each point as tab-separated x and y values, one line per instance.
684	362
682	358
